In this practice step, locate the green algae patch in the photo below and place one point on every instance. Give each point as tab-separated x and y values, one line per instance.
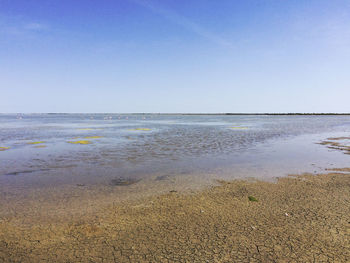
80	142
252	199
4	148
239	128
93	137
140	129
39	142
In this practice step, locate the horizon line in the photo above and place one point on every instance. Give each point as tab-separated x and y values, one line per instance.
167	113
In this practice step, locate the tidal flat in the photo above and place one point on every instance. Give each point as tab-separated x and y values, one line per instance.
175	190
301	218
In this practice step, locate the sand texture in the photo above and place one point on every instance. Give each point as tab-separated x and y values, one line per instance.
298	219
301	218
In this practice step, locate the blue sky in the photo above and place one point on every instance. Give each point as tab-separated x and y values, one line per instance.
174	56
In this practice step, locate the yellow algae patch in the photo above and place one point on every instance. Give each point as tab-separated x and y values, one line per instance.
40	146
238	128
36	142
93	137
140	129
80	142
4	148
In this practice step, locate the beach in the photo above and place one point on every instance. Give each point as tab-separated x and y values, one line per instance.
258	208
303	218
174	131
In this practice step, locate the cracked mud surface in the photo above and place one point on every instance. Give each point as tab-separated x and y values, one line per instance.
303	218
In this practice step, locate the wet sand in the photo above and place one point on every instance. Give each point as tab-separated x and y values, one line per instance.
301	218
298	219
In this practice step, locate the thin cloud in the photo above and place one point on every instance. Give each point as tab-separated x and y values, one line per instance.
184	22
16	26
35	26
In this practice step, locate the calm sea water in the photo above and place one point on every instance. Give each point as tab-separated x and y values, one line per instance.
137	146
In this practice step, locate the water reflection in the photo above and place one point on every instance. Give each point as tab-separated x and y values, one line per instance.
135	146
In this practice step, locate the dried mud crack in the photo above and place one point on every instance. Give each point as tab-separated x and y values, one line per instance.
298	219
301	218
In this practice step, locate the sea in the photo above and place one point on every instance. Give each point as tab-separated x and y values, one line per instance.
161	151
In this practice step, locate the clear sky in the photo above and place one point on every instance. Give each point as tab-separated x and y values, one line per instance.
174	56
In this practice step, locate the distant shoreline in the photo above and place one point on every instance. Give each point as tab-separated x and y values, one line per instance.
185	114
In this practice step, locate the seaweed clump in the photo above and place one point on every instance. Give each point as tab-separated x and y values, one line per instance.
252	199
4	148
39	142
80	142
140	129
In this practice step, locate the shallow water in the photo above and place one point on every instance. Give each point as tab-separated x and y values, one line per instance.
158	148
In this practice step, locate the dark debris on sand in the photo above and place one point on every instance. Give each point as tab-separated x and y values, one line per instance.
124	181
